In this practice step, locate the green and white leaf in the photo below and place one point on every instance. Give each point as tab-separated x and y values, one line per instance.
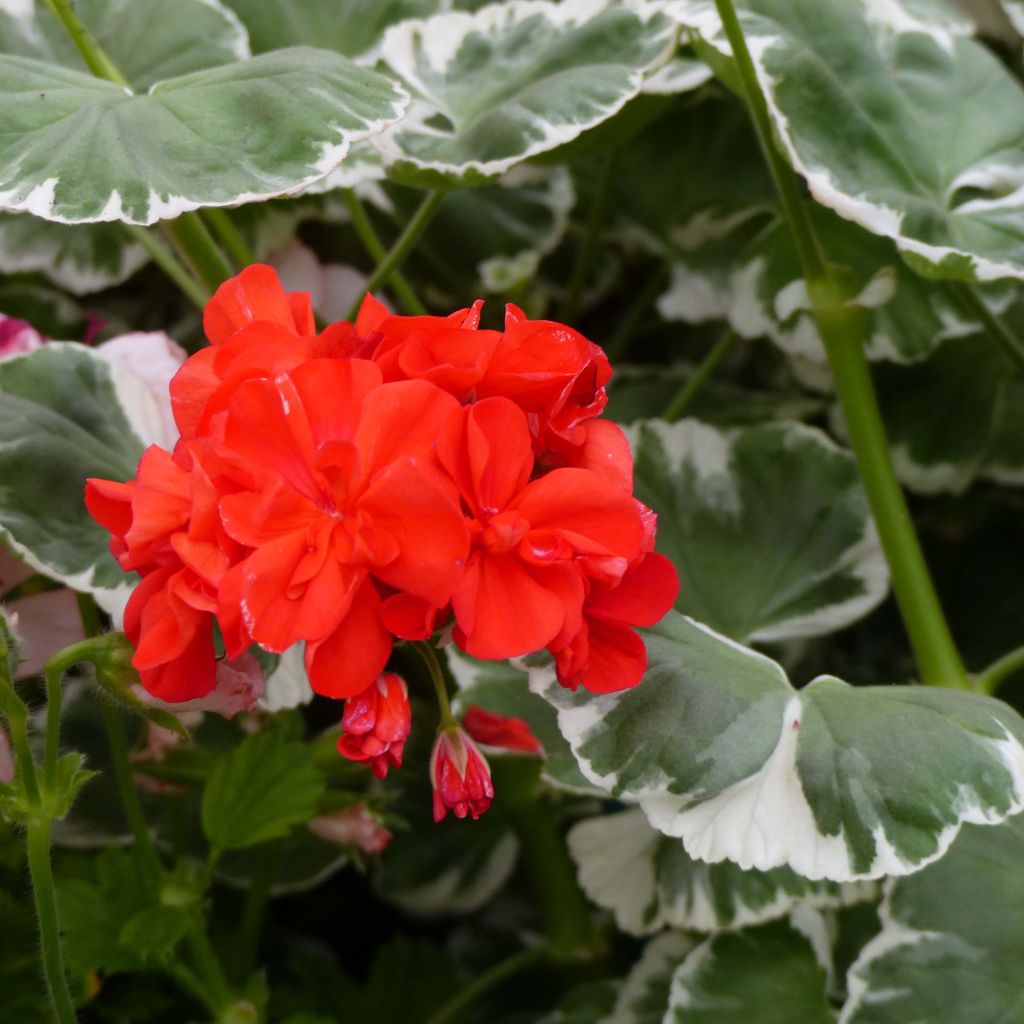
649	882
834	781
147	40
67	414
86	149
949	948
767	525
643	998
514	80
287	683
921	160
82	259
260	790
502	687
765	975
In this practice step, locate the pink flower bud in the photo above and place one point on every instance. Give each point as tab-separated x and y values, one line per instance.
459	775
376	724
494	730
353	826
240	684
17	337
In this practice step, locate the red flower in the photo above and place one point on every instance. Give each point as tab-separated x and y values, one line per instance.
494	730
605	655
376	724
459	775
524	585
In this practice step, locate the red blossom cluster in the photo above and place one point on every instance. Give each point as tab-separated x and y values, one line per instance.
381	480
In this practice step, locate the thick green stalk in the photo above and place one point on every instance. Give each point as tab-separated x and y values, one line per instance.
51	752
843	331
95	59
163	256
989	680
476	988
375	247
707	367
230	237
402	247
41	871
196	245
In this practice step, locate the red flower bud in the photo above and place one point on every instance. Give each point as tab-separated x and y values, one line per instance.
494	730
376	724
459	775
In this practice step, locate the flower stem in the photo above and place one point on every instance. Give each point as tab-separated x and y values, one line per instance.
95	59
164	257
498	973
989	680
231	238
209	967
375	247
51	752
585	253
707	367
843	330
1011	345
200	251
403	245
41	871
426	652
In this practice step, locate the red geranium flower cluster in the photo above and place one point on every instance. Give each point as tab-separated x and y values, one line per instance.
384	479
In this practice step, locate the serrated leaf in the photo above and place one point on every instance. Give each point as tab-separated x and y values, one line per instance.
921	159
514	80
71	777
649	882
767	525
65	416
86	149
351	27
643	997
835	781
502	687
145	39
950	941
154	932
588	1003
260	790
766	975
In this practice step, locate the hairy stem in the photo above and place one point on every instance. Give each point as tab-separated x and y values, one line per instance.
402	247
843	330
375	247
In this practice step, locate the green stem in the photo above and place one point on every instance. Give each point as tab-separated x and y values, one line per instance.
231	238
619	341
843	330
95	59
247	937
707	367
130	803
1011	345
585	253
51	752
426	652
403	244
209	968
989	680
41	871
375	247
191	984
498	973
200	251
163	256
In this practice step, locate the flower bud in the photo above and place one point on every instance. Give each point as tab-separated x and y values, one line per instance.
352	826
376	724
494	730
460	776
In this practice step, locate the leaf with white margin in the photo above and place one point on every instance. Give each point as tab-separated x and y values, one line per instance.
588	1003
951	939
352	27
147	40
934	452
768	526
920	159
514	80
649	882
66	414
287	683
82	259
501	687
765	975
85	149
644	995
837	782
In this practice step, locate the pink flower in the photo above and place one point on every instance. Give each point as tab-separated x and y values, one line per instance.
494	730
353	826
460	776
239	686
17	337
376	724
6	758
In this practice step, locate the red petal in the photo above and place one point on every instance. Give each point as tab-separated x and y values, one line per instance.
617	660
254	294
647	591
333	392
